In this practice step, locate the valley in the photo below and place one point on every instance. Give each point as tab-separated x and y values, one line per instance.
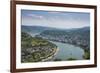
40	43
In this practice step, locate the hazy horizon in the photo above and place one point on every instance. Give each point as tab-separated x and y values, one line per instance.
54	27
62	20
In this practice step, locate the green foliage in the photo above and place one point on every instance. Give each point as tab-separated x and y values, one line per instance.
86	55
25	40
57	59
71	59
35	49
39	42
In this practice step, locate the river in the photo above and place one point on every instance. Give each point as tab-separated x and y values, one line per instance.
66	51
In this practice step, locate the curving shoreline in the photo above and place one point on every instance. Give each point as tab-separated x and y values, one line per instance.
51	56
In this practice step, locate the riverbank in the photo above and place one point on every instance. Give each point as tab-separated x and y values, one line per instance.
51	56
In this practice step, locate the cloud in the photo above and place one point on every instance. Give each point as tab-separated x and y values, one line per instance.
35	16
54	12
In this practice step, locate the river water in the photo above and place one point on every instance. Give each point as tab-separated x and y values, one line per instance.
66	51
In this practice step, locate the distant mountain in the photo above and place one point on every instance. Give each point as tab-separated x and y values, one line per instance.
49	31
38	29
85	31
34	30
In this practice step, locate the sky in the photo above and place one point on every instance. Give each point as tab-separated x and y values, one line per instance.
55	19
